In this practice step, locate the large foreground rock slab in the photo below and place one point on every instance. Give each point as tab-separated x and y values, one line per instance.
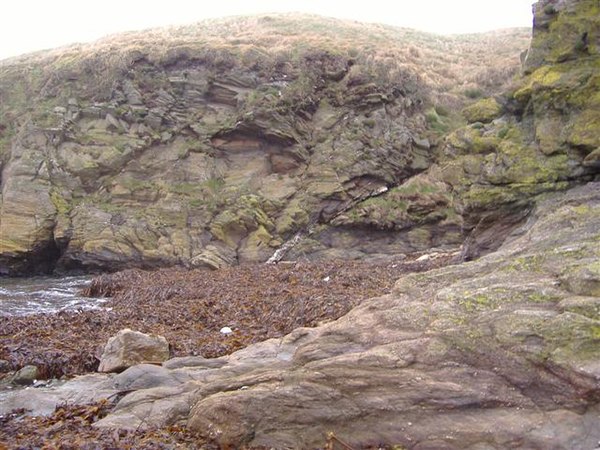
44	400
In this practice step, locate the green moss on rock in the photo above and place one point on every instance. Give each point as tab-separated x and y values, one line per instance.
293	218
585	130
239	219
472	140
484	110
60	203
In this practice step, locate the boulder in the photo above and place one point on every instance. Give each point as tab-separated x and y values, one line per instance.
214	257
128	348
26	375
484	111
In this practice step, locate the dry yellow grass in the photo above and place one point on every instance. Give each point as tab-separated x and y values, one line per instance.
453	69
447	63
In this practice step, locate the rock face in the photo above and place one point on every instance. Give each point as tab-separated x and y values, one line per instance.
196	147
538	137
128	348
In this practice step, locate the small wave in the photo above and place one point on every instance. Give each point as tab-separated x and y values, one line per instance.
50	293
25	296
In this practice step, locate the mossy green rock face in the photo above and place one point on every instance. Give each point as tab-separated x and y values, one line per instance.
146	152
548	136
194	154
198	146
484	110
562	31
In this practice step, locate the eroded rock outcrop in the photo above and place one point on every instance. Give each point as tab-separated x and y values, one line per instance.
538	137
194	146
542	135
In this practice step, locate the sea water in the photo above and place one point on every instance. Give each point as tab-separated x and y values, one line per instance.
35	295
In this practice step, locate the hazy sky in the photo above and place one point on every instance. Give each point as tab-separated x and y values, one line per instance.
28	25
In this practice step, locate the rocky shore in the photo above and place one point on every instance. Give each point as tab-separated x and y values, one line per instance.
189	307
337	163
497	353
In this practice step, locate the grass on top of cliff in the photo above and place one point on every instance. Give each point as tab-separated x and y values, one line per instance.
456	68
189	307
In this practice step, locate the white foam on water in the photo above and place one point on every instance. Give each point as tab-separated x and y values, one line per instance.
24	296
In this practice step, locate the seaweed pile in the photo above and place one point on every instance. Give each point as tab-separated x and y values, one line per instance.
189	307
70	427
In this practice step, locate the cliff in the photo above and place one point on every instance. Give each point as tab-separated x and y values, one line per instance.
501	352
542	135
235	141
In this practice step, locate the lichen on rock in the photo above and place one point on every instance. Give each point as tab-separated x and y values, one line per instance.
484	110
